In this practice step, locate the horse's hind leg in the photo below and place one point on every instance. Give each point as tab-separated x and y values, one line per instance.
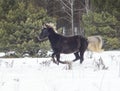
76	56
82	50
81	56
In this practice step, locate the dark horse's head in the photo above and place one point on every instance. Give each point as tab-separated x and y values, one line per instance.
46	32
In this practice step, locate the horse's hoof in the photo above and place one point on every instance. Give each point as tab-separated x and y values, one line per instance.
74	60
80	62
57	63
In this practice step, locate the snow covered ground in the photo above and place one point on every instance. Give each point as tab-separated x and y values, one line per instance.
40	74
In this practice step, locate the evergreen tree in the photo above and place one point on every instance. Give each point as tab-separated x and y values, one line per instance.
102	24
20	26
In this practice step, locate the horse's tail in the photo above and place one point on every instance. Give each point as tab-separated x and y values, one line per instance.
95	43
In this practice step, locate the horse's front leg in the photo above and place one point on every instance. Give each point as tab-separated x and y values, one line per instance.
53	55
58	59
76	56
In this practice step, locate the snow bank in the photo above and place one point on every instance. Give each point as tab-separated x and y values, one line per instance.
2	54
41	74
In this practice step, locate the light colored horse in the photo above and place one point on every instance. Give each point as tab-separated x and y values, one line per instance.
95	44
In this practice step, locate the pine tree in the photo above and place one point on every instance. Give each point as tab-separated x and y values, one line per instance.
20	26
102	21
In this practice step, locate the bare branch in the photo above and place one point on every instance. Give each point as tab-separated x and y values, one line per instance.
65	5
69	14
67	19
79	9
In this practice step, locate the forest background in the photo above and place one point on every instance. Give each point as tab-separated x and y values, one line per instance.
21	21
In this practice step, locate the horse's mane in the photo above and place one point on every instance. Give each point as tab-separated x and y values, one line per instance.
52	25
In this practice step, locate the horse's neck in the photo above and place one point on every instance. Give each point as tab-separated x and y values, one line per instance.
53	38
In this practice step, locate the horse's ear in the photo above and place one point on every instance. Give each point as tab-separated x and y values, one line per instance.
47	26
44	25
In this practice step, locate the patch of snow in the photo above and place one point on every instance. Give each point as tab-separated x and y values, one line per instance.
2	54
41	74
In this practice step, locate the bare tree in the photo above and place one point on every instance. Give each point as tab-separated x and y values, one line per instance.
87	3
74	10
68	14
68	7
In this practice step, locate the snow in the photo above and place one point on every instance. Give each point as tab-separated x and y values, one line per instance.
2	54
41	74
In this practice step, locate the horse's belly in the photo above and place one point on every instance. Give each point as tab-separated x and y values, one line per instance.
69	51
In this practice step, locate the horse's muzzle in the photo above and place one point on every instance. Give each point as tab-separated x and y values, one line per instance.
41	39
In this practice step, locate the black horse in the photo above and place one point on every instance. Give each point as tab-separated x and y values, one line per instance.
61	44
